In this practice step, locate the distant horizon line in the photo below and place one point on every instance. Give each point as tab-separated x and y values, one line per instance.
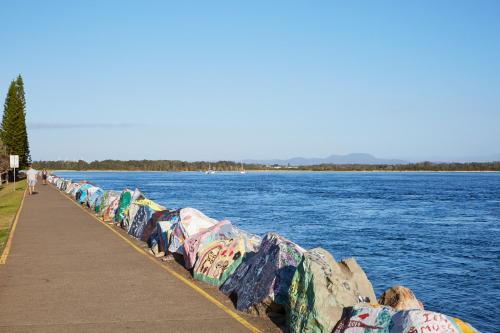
250	162
350	158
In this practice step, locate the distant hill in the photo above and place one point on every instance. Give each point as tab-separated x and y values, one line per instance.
357	158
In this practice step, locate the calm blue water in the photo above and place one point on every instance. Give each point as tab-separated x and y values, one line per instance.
436	233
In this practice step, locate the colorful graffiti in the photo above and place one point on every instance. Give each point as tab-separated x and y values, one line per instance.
219	260
268	273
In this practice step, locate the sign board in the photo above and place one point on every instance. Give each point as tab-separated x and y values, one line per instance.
14	161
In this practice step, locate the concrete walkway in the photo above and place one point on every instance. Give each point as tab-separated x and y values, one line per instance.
68	273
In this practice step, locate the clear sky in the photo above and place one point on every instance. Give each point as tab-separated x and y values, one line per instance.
273	79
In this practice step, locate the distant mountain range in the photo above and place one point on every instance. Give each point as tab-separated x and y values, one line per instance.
357	158
363	158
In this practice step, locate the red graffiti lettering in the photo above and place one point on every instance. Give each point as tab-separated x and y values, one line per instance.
425	329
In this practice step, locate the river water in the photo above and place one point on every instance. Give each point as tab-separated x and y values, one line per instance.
436	233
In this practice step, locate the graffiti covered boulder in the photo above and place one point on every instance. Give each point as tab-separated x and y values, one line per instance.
109	204
266	275
81	193
416	321
191	222
90	195
159	223
96	201
364	319
135	205
94	196
61	184
321	288
164	234
123	203
217	261
71	188
143	210
220	231
127	216
66	184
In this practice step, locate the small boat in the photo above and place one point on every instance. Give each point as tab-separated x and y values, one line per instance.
209	171
242	171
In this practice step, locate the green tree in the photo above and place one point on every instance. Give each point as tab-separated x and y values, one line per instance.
13	130
9	119
26	156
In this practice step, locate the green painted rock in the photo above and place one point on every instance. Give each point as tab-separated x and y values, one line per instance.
321	288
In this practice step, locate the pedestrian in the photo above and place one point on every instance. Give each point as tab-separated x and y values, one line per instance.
32	175
44	176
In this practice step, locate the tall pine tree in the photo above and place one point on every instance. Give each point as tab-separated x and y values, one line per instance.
23	132
9	119
13	131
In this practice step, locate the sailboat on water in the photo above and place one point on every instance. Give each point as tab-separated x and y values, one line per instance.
242	171
209	171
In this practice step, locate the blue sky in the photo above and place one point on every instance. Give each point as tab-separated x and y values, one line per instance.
235	80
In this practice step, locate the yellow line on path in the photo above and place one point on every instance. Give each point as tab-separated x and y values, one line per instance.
6	250
202	292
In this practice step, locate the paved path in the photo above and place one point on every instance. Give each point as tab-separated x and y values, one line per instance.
68	273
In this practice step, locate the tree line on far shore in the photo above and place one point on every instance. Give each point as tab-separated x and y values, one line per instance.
145	165
173	165
421	166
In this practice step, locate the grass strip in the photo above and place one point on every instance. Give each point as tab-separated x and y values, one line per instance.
10	201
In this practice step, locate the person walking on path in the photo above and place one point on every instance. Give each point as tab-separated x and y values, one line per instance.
44	176
32	179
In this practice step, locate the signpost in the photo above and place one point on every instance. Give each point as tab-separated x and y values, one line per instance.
14	163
